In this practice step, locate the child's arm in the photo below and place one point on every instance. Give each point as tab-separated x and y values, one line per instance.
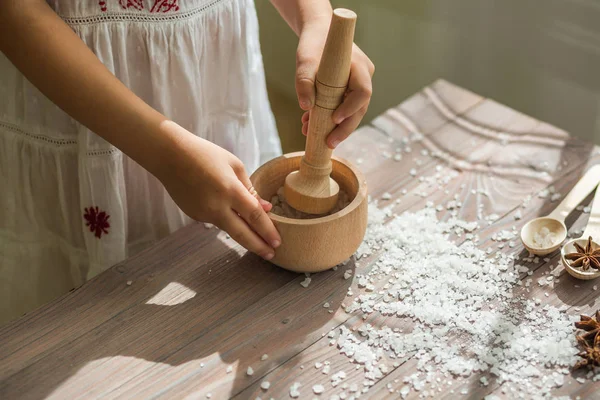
310	19
61	66
207	182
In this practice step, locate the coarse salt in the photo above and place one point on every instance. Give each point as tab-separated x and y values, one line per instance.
416	269
306	282
294	392
544	238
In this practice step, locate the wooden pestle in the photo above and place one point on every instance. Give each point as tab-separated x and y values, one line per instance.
311	189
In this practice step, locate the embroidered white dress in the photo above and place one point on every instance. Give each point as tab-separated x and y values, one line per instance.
71	204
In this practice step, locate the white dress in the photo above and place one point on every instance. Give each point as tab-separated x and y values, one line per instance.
71	204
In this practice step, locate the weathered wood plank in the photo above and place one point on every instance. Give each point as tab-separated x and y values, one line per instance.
573	152
564	293
419	108
492	207
108	339
322	352
151	332
100	299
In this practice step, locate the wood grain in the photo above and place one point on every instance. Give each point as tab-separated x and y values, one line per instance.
198	304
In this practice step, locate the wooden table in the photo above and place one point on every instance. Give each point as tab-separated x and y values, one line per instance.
198	304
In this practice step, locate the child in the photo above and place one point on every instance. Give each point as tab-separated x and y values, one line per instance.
123	120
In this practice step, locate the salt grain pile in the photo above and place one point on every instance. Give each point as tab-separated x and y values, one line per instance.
458	302
281	207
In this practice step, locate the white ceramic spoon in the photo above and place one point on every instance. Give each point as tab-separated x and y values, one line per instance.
555	221
592	229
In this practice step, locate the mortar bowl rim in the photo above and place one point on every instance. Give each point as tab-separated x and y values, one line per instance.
361	193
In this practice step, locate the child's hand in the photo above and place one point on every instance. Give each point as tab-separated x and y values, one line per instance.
208	183
211	185
352	110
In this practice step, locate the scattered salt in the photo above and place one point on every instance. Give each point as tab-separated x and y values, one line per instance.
555	197
419	272
265	385
318	389
404	391
337	378
294	393
306	282
264	357
249	371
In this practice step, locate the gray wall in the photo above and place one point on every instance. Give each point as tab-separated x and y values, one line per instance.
541	57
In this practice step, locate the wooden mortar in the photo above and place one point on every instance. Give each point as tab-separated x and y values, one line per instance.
313	245
313	179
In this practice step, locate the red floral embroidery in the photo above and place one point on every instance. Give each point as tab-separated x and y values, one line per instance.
137	4
97	221
164	6
159	5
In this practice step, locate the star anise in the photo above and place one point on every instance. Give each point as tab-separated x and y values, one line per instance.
590	353
585	258
591	325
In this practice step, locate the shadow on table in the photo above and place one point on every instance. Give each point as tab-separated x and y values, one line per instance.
228	311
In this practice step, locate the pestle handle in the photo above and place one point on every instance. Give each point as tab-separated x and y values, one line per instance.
330	87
